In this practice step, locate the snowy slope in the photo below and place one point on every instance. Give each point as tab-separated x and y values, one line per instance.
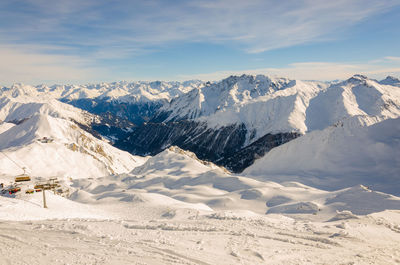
70	151
177	209
5	126
348	154
16	109
176	175
176	185
357	96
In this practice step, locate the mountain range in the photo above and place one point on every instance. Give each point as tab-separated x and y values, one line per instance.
231	123
149	172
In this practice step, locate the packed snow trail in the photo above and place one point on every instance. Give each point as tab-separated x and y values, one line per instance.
217	238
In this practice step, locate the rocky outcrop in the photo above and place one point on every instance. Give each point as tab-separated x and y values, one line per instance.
207	143
224	146
246	156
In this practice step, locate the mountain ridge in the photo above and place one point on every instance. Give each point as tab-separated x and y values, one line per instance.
231	122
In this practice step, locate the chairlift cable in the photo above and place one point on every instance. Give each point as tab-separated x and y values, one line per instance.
23	168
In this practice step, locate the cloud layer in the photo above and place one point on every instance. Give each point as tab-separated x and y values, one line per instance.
24	64
323	71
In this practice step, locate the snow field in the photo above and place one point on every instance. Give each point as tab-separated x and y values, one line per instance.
203	239
143	217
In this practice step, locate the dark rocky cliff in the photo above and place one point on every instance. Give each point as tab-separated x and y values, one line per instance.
224	146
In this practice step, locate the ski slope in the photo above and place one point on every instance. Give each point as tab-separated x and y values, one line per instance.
177	209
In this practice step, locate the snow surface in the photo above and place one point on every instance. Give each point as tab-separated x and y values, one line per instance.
177	209
17	109
348	154
5	126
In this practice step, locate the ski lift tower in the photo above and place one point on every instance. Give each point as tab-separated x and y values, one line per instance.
44	198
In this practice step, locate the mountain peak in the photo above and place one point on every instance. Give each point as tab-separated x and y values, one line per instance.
252	78
390	80
357	78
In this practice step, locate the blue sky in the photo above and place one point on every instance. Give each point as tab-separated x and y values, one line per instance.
97	40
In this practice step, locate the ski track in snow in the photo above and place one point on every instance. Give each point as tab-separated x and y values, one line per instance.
201	240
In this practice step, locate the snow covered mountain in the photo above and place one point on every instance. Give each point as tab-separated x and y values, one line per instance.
18	108
269	105
136	101
390	80
356	97
262	104
121	91
231	122
239	119
46	137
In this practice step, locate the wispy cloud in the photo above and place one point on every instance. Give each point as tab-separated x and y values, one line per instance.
392	59
253	25
314	70
27	64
